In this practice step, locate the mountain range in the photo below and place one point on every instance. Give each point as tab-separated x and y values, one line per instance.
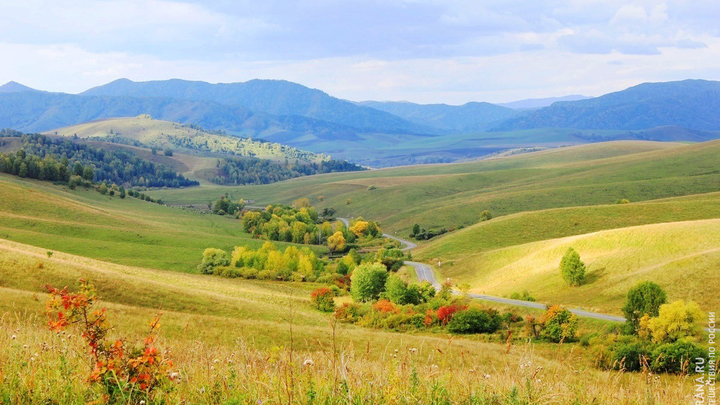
311	119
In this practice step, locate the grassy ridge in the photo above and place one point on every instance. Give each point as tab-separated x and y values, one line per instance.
525	227
128	231
682	257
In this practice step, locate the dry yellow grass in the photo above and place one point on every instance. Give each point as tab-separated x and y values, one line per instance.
230	341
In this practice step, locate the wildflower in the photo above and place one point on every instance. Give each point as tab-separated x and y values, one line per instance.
13	337
175	376
308	362
413	350
24	346
487	376
142	402
216	361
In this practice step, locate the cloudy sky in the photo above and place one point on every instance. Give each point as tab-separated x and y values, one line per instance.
450	51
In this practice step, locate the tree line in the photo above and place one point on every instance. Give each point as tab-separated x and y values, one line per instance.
45	158
251	170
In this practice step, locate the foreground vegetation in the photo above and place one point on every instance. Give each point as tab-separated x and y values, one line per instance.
232	342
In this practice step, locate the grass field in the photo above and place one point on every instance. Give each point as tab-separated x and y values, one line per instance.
682	257
453	195
230	342
125	231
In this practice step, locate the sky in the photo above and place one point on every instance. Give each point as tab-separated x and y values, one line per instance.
425	51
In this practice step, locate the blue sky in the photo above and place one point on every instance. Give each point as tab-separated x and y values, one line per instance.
450	51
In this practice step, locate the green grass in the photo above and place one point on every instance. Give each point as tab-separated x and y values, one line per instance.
452	195
531	226
683	257
125	231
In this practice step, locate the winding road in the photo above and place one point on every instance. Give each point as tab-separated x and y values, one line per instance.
425	273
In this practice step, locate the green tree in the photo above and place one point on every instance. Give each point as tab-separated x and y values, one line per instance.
78	169
643	299
559	324
396	290
23	172
168	152
88	173
367	282
485	216
392	259
122	192
415	230
572	268
213	258
103	189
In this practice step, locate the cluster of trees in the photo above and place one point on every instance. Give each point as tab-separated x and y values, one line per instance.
284	223
658	336
384	300
419	233
300	223
50	159
266	263
224	206
367	229
252	170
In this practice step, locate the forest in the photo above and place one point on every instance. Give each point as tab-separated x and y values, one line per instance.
45	158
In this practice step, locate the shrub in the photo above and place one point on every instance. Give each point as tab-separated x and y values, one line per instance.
675	321
392	258
213	258
350	312
629	355
323	299
336	242
676	357
120	370
367	282
445	313
643	299
474	320
524	296
385	306
558	324
572	268
485	216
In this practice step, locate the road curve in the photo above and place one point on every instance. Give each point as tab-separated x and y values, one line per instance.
425	273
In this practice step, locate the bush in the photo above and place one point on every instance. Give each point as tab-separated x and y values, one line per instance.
367	282
445	313
213	258
323	299
676	357
558	324
629	356
474	320
524	296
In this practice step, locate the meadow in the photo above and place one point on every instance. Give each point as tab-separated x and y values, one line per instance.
241	342
126	231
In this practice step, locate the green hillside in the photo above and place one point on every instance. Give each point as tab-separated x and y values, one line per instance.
125	231
454	195
682	257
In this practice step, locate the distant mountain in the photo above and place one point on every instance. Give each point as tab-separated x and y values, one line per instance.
693	104
41	111
532	103
470	117
14	87
277	97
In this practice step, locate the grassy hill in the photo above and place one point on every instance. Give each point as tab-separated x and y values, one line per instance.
455	194
128	231
681	256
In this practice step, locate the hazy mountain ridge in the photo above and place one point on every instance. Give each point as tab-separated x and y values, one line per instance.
469	117
276	97
692	104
